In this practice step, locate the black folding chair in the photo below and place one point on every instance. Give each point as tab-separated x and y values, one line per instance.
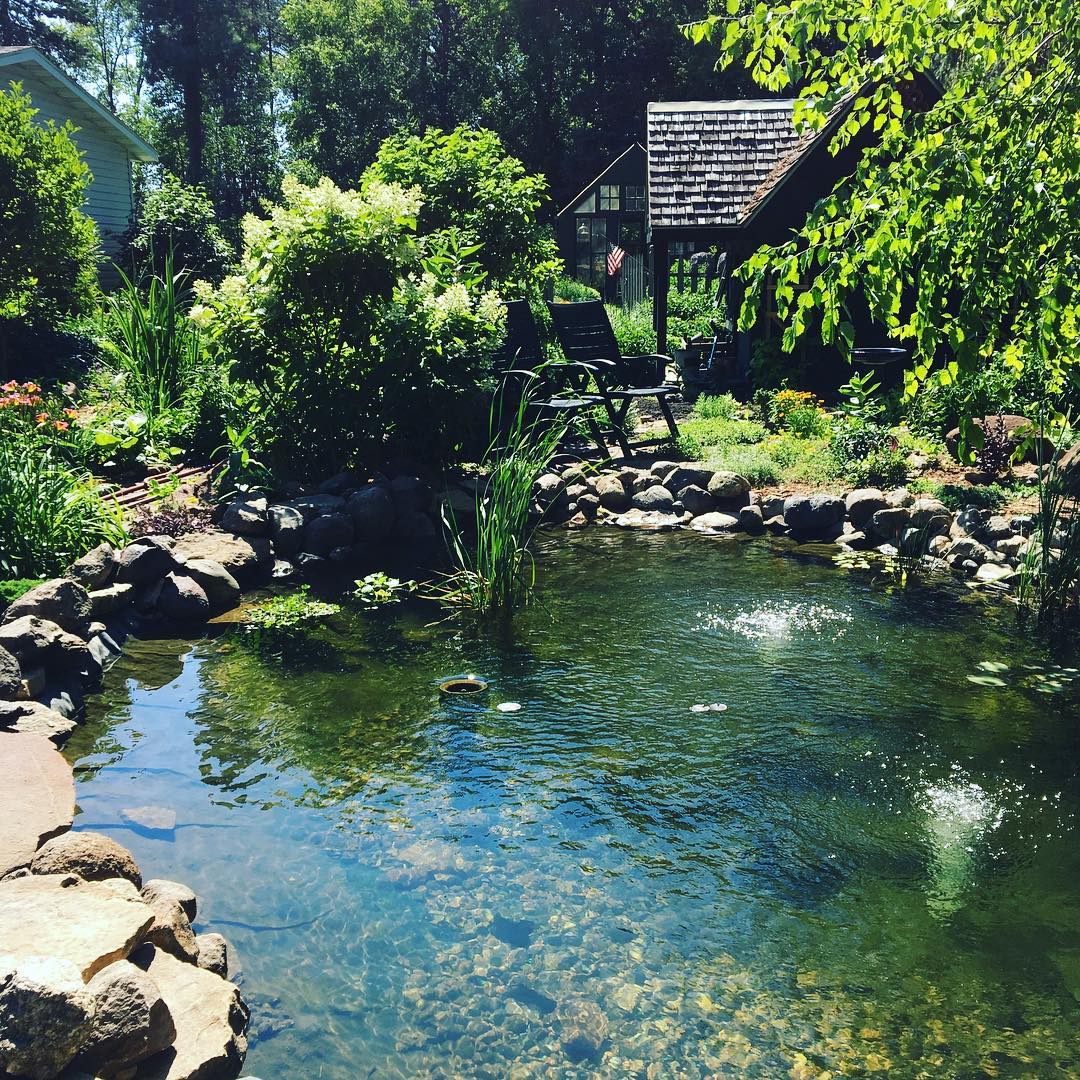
585	334
557	388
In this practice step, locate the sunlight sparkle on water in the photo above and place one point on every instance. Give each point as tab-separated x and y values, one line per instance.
777	620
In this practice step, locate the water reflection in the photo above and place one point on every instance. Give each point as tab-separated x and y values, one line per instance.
866	865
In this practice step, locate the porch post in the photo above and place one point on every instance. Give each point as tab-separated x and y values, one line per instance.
661	281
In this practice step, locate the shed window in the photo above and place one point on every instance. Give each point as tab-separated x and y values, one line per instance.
587	205
590	261
635	198
609	196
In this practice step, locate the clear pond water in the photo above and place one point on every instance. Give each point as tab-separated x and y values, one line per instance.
867	865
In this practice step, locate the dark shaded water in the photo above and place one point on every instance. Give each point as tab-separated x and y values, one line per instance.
866	865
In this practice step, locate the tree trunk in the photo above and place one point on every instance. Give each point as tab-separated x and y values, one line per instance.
191	87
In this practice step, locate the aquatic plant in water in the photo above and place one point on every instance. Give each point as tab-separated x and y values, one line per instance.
290	611
378	590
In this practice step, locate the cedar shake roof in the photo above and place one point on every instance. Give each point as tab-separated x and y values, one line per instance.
712	163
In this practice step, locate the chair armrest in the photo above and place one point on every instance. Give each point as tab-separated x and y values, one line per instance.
651	356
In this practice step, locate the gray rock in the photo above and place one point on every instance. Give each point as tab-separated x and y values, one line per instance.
891	522
930	516
695	499
965	548
161	889
992	573
411	493
862	504
728	488
33	718
325	533
93	856
62	601
247	558
415	525
143	561
772	507
211	1023
213	954
687	475
372	512
938	546
814	517
899	497
715	522
286	527
612	493
171	928
996	528
10	674
131	1021
654	498
221	588
588	505
111	599
312	506
752	520
659	469
38	642
246	517
45	1016
94	569
183	600
654	520
1010	547
339	483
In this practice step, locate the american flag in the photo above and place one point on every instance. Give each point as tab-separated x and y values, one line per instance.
615	257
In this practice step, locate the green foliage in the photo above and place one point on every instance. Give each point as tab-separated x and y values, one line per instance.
633	328
716	407
468	183
866	454
860	398
958	496
12	590
691	314
808	422
378	590
885	468
772	368
290	612
495	570
570	291
176	221
48	246
958	226
355	335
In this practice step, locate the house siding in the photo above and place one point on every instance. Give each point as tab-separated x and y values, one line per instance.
108	197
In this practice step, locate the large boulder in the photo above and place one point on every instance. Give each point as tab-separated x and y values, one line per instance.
245	557
653	520
814	517
695	500
10	674
415	526
213	953
685	475
37	798
210	1017
729	489
930	516
46	1014
34	718
286	525
62	601
93	856
36	642
110	599
611	491
246	517
312	506
144	561
715	522
862	504
131	1020
411	493
94	569
91	923
372	512
890	522
220	587
171	928
162	889
183	600
325	533
655	498
752	520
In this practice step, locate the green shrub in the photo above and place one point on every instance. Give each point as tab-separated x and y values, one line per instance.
357	339
772	368
718	407
48	246
884	468
469	183
178	219
570	291
633	328
716	431
10	591
958	496
692	315
808	422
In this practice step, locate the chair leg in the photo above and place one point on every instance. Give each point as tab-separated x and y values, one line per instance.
596	433
665	408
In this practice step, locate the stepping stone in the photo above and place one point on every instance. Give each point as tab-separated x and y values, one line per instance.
90	923
160	819
37	797
33	718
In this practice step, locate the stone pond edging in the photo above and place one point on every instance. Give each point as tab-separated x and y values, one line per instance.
973	543
101	974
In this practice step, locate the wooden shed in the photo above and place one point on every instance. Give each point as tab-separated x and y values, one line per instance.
108	145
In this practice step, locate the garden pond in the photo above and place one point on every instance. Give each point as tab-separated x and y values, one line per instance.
867	864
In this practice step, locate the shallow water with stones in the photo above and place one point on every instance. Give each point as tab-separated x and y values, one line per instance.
867	865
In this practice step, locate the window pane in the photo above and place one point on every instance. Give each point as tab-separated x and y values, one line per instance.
609	196
587	205
635	197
